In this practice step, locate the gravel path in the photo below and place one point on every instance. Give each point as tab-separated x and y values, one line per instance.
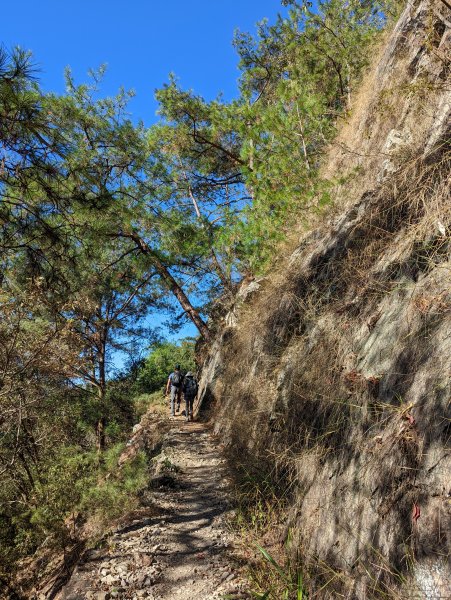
186	552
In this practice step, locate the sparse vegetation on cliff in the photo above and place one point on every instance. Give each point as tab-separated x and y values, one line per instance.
330	384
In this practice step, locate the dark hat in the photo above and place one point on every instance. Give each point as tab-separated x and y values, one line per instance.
177	367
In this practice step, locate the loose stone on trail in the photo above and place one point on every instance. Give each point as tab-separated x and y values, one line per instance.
185	552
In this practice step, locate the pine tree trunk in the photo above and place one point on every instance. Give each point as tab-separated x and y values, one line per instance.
101	422
173	286
192	313
100	434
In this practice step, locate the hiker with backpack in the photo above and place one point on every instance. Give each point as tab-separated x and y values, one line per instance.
174	386
190	392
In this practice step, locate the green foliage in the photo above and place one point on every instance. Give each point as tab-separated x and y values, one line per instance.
74	483
297	76
285	583
115	491
59	489
143	402
252	164
161	362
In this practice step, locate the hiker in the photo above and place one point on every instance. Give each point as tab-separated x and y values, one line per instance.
189	392
174	386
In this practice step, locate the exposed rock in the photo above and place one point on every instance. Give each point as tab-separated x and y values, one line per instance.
338	371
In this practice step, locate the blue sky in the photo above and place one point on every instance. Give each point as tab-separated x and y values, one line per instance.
141	41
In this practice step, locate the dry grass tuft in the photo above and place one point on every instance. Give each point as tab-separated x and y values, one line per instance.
294	398
297	400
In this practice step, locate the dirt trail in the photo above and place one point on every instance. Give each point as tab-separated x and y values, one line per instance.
186	551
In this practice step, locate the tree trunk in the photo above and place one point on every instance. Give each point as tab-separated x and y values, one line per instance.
219	270
173	286
101	421
216	263
183	299
100	434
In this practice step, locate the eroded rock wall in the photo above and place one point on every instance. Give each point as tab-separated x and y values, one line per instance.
334	375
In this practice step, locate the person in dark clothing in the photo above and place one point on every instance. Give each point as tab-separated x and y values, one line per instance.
189	392
174	386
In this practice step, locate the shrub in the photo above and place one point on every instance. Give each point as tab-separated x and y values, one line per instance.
143	402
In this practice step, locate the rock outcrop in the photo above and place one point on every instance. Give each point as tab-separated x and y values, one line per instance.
334	376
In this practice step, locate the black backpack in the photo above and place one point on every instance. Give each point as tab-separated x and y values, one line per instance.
176	378
190	386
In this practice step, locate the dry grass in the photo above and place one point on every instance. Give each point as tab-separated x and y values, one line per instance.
295	404
294	398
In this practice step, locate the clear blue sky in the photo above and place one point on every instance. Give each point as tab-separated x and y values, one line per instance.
141	41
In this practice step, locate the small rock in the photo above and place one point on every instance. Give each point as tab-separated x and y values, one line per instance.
110	579
146	560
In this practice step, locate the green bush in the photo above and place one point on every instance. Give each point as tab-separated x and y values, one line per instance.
116	489
60	488
144	401
77	483
161	362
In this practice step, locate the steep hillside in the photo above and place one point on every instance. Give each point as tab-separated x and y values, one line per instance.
332	375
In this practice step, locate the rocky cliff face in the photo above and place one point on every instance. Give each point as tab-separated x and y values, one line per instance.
333	374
